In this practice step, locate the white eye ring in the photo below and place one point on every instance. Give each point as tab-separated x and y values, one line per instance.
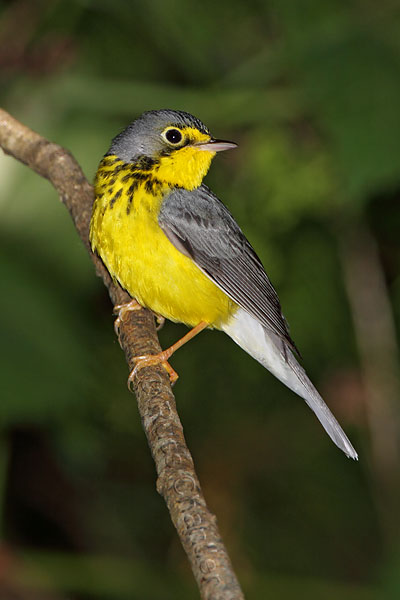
172	135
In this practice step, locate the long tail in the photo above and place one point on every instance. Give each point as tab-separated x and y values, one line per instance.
273	354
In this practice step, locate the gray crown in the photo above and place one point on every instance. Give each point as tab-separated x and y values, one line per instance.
143	136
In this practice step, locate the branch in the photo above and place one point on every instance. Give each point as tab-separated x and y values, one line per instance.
177	481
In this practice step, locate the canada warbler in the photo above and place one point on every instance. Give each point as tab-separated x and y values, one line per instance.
172	244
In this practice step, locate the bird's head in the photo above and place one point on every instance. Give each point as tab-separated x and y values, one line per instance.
173	145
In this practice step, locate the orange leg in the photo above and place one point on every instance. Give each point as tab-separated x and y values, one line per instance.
122	309
162	357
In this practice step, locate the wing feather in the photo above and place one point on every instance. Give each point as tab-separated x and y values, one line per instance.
201	227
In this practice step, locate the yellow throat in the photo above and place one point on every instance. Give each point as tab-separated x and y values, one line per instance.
126	234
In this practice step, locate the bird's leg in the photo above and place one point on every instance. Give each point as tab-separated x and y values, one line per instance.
162	357
122	309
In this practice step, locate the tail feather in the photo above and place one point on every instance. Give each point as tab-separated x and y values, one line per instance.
273	354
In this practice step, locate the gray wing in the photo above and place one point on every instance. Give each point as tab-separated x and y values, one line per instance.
200	226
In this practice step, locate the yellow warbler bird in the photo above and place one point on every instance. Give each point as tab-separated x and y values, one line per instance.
172	244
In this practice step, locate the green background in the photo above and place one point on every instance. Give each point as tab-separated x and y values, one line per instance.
310	90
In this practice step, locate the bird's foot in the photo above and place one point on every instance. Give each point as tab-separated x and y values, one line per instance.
122	310
163	357
153	359
160	321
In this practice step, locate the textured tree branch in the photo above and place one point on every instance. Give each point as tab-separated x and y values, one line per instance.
177	480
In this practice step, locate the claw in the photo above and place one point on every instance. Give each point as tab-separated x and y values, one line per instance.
122	310
162	357
152	359
160	322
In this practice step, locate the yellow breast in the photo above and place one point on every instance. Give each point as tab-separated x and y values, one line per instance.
125	233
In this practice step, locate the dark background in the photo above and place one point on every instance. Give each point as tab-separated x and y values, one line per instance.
311	92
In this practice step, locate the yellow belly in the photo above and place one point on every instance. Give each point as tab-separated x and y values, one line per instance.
141	258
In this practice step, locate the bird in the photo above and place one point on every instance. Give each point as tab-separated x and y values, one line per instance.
178	251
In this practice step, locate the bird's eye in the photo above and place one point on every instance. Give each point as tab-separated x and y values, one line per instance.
173	136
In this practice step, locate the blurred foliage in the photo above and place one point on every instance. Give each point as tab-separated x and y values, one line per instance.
311	91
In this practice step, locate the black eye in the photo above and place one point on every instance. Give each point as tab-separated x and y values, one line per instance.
173	136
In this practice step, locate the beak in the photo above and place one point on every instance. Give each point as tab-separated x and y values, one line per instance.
215	145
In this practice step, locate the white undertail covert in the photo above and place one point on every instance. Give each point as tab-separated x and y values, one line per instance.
272	352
